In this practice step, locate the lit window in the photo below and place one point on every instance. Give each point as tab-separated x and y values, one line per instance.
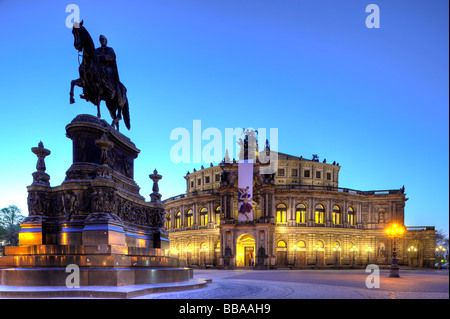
281	213
203	217
319	214
177	219
203	247
300	214
301	244
218	209
337	217
189	218
281	244
351	217
169	222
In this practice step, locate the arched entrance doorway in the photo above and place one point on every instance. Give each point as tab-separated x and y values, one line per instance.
281	254
245	251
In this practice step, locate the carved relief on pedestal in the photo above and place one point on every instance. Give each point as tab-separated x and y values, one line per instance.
38	204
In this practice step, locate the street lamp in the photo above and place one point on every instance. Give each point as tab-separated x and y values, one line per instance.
368	251
317	248
204	249
336	249
295	248
440	249
353	250
411	251
187	250
394	231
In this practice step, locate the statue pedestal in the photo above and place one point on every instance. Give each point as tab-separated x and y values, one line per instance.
96	219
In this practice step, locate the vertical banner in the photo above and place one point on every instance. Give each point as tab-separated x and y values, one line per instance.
245	185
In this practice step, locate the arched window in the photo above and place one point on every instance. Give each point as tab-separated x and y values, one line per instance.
351	216
281	244
203	247
301	245
337	216
319	214
281	213
189	218
177	220
319	246
169	221
203	216
300	214
174	249
217	219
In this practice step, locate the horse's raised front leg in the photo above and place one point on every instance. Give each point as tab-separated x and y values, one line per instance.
77	82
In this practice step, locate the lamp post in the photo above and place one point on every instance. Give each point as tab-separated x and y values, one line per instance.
440	249
336	249
317	248
187	250
204	249
394	231
353	250
295	249
368	251
411	251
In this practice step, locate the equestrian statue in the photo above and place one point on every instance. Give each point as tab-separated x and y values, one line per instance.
99	77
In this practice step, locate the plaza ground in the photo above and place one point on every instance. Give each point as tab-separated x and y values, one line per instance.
314	284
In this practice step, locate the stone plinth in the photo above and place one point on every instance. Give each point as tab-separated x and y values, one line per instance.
96	219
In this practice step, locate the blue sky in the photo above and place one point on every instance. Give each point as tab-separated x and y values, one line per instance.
374	100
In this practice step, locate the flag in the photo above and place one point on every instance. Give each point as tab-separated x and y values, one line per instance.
245	186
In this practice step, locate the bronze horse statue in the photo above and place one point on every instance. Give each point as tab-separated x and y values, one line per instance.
99	77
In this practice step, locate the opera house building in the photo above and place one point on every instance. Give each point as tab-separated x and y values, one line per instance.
301	218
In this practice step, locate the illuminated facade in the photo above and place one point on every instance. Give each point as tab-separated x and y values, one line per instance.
301	218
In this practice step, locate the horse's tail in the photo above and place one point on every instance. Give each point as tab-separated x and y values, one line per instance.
126	114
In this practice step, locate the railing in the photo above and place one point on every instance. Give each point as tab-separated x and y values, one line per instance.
368	193
306	187
420	228
195	193
342	190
